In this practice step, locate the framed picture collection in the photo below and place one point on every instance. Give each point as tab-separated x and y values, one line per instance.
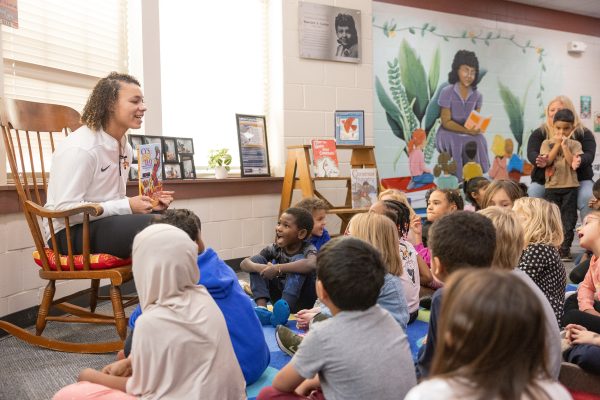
177	156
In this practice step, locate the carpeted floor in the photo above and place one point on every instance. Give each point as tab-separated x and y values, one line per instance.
30	373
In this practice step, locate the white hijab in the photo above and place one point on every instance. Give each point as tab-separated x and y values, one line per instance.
181	347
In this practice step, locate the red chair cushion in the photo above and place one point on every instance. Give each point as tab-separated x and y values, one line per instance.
577	395
97	261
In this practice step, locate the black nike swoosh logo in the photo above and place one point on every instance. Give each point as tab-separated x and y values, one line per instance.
105	168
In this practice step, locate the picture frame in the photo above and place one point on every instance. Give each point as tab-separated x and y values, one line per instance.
253	146
329	33
185	145
350	127
188	167
133	172
169	149
134	141
172	171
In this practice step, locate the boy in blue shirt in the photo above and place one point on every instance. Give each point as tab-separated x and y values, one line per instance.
283	272
318	208
244	328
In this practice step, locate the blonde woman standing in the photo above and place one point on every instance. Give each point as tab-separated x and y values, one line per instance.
580	133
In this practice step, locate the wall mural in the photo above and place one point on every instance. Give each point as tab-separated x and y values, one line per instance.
431	70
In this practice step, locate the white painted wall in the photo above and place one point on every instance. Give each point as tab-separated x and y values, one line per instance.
314	89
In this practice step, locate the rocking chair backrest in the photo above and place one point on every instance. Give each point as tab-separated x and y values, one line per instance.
31	132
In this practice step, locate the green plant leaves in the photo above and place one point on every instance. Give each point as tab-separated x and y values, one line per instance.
432	112
413	79
218	158
434	72
514	110
392	111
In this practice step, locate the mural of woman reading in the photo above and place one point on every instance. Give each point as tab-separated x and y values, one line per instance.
456	102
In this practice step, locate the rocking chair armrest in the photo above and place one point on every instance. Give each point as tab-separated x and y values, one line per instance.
92	209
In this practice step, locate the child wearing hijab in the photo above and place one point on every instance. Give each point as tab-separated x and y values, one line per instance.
179	318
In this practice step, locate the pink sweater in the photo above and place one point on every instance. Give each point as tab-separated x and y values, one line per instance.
590	287
416	163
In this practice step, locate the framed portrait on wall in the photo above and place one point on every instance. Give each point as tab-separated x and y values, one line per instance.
329	33
350	127
252	140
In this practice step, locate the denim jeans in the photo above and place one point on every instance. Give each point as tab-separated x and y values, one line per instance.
584	193
298	290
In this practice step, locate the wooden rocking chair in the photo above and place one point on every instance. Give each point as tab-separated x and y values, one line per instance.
30	131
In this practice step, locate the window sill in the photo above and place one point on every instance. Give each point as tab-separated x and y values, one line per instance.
184	189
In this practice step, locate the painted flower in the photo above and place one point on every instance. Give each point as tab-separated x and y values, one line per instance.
471	34
539	50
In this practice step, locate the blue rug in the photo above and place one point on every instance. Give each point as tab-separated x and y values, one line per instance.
415	332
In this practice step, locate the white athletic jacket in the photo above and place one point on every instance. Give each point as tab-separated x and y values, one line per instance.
88	167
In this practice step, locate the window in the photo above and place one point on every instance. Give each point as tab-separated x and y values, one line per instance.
213	65
62	47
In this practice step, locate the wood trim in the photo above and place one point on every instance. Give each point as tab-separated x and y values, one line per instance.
184	190
507	11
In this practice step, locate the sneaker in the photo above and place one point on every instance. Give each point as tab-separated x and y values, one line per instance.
246	287
287	340
317	318
263	314
281	313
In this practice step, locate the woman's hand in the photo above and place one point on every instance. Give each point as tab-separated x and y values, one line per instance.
140	204
541	161
474	131
164	200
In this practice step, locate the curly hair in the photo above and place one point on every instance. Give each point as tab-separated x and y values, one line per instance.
347	20
102	99
464	57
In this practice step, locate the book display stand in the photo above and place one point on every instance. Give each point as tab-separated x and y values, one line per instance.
298	176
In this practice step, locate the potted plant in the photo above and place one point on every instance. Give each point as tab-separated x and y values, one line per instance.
219	160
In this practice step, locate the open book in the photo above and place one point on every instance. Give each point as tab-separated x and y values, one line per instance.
150	170
477	121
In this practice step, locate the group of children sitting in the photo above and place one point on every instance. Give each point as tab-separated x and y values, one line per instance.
495	276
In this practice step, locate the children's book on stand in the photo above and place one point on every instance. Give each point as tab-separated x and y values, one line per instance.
364	187
325	158
150	170
477	121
